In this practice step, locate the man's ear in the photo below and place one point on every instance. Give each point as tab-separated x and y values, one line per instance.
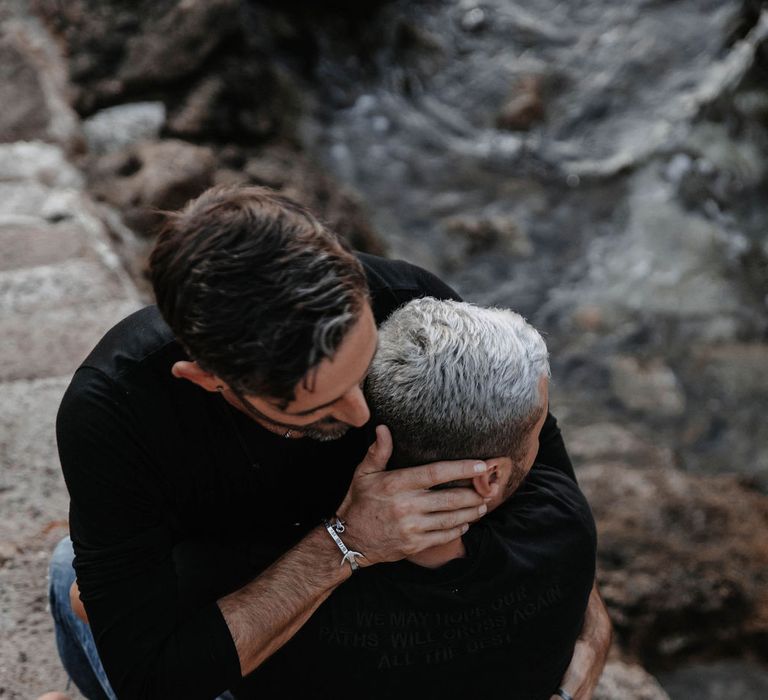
192	372
484	483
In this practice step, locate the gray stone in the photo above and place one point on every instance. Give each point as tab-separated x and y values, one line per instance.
667	261
71	283
611	442
116	127
54	343
739	369
625	681
473	20
26	199
29	662
717	680
29	243
648	386
40	162
31	485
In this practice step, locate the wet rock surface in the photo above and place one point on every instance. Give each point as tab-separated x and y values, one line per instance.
734	680
625	680
682	561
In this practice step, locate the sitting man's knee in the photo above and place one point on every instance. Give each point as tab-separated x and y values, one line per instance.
76	603
61	574
63	591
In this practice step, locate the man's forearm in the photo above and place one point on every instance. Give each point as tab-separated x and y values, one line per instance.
597	630
590	652
388	514
266	613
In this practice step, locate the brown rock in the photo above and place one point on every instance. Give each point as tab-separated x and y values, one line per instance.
150	176
176	43
250	98
8	550
682	561
213	62
295	175
489	233
524	107
24	114
114	48
611	442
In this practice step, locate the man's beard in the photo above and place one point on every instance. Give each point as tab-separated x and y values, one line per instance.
517	475
324	430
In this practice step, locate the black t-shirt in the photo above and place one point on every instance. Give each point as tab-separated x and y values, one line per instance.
500	623
177	498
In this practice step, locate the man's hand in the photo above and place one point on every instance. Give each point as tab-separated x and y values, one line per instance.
590	652
393	514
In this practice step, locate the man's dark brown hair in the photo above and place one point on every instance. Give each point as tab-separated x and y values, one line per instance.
255	287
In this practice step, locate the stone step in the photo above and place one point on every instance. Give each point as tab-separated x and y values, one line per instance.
70	283
32	488
24	198
35	160
30	243
54	343
29	662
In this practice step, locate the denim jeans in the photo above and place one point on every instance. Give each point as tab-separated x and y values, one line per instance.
73	636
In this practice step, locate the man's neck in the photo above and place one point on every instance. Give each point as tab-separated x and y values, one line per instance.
434	557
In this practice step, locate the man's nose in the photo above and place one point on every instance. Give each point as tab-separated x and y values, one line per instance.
353	408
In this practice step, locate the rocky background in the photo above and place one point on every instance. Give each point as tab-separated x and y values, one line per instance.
598	166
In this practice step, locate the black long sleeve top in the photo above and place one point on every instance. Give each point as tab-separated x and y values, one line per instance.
178	499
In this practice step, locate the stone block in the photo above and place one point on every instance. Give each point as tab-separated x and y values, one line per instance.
54	343
29	662
71	283
32	491
42	162
29	243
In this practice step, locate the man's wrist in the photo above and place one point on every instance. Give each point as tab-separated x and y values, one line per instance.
335	528
329	561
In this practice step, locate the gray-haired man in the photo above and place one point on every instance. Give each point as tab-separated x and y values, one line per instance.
497	612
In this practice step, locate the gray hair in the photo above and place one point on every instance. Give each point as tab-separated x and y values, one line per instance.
452	380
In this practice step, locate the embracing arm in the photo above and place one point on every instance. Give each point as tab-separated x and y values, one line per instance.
388	515
590	652
267	612
593	643
152	641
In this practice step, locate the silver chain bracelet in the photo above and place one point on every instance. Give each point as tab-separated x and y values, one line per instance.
336	527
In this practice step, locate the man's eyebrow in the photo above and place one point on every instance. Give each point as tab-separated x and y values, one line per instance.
312	410
333	401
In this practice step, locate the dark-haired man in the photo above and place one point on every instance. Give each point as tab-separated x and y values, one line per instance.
203	443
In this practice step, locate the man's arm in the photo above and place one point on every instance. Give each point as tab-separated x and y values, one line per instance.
388	515
153	642
592	646
590	652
